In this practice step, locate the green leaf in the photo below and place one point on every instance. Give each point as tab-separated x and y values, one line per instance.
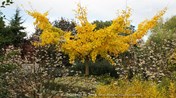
3	3
3	6
7	1
7	4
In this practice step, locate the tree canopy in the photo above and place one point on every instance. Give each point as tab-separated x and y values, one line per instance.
88	43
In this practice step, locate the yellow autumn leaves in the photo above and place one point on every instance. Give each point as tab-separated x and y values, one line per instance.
144	27
50	34
88	42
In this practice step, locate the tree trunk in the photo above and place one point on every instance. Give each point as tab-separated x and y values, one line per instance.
86	69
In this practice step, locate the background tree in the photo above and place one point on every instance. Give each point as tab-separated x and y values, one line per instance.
16	29
6	2
101	24
170	24
4	38
65	25
2	24
12	34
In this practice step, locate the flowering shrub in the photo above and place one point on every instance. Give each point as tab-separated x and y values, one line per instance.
31	79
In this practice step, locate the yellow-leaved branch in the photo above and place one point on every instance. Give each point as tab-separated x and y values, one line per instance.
50	34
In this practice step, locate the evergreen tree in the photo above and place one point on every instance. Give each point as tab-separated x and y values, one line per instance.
17	33
13	34
2	29
2	24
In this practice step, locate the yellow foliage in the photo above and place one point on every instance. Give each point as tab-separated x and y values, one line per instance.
88	42
134	89
172	90
50	34
144	27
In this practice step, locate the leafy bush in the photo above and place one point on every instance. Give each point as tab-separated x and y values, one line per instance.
136	89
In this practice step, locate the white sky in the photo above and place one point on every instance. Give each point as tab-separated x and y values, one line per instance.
97	9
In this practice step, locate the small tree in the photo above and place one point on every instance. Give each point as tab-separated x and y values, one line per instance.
88	43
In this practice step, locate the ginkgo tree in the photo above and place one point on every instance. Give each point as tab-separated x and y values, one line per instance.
89	43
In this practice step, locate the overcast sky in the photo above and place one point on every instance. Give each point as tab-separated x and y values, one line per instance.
97	9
